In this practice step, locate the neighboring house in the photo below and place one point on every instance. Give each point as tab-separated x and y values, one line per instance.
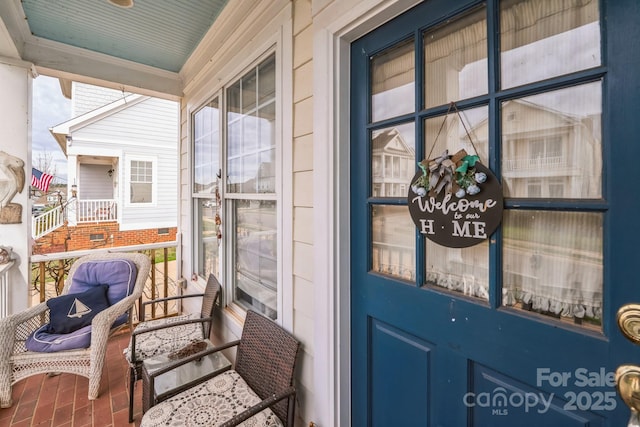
546	160
290	194
122	169
55	195
392	162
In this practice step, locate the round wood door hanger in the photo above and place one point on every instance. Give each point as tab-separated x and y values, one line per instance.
455	201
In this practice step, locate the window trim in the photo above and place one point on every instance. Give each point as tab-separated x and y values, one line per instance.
154	181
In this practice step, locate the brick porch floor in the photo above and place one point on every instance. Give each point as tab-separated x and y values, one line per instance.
61	400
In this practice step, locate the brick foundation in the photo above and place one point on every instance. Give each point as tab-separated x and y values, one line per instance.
76	238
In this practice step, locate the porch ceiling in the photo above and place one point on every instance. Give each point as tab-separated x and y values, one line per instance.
144	46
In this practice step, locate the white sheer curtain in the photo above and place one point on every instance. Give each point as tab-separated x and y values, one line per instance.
552	262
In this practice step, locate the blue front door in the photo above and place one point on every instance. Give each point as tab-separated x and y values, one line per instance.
518	328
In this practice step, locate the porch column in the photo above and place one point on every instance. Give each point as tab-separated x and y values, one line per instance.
15	111
72	185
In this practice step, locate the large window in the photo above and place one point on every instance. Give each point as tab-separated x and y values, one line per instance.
236	200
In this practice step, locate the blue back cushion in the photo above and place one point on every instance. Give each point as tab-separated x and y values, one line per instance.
118	274
68	313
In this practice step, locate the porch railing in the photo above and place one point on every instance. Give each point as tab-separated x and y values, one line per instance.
96	210
539	163
47	222
49	272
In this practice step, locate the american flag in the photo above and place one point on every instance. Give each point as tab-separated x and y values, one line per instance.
40	180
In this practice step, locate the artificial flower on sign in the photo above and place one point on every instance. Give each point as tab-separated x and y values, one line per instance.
452	174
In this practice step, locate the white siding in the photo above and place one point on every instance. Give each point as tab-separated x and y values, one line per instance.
149	122
147	129
87	97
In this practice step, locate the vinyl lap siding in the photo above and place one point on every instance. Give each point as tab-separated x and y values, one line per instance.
163	137
149	122
144	129
87	97
303	286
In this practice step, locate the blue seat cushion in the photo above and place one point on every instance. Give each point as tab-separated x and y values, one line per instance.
70	319
41	340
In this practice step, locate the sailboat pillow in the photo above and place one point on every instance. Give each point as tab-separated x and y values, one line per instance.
68	313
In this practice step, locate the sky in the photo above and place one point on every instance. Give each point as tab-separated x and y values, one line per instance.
50	108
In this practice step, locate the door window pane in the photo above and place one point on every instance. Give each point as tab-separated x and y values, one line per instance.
552	264
392	82
463	270
255	243
392	160
455	60
547	38
553	141
450	133
393	249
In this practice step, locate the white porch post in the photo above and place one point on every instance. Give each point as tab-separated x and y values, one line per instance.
15	111
72	186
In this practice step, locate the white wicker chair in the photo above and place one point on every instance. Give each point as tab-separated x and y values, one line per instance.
17	363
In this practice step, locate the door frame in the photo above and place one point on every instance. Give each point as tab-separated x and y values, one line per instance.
335	27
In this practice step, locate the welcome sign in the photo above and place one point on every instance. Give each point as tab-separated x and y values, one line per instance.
455	201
